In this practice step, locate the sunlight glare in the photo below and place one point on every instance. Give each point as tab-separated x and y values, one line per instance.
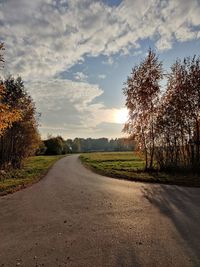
121	115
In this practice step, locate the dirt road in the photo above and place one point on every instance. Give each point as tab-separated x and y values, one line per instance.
74	217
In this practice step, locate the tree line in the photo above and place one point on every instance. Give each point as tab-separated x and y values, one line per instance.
165	123
57	145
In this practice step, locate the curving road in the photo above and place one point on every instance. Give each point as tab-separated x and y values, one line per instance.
74	217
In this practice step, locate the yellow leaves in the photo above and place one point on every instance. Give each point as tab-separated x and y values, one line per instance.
7	115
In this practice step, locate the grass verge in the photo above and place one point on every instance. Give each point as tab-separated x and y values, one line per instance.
33	170
129	166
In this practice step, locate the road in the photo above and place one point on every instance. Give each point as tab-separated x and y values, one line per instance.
74	217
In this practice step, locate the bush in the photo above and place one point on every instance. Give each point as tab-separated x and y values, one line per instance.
55	146
41	149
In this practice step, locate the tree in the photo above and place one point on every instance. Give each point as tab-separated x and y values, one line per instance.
142	95
178	120
8	115
55	146
21	138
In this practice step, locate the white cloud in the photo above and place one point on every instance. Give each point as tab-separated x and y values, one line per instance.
109	61
68	107
102	76
46	37
80	76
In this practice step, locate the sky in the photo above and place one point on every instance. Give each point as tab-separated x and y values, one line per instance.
75	55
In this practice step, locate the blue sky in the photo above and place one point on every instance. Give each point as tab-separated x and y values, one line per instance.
75	55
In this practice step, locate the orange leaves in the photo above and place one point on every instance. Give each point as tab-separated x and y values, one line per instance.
19	136
142	96
7	115
167	124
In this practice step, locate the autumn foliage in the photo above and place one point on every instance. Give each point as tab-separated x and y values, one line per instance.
165	123
8	115
19	137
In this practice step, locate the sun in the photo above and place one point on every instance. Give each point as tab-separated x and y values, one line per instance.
121	115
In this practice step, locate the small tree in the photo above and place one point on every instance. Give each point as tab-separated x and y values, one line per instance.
55	146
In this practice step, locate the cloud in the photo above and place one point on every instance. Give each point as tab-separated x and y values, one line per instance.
80	76
102	76
44	38
67	107
109	61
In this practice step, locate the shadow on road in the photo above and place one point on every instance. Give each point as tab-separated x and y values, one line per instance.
182	206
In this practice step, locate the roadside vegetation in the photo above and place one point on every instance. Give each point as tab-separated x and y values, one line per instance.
165	122
34	168
19	137
163	126
131	166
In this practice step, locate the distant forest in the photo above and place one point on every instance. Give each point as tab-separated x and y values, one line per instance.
100	144
57	145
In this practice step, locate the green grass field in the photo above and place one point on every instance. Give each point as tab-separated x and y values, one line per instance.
128	165
34	169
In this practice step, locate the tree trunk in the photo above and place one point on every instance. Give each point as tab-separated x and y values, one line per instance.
197	141
145	151
152	148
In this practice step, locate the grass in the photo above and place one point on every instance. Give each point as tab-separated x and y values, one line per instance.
129	166
33	170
